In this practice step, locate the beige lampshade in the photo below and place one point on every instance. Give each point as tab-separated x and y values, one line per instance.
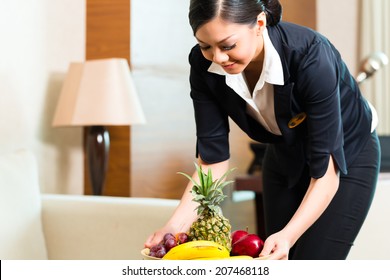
98	92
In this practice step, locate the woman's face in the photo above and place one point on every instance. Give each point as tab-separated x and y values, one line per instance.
233	46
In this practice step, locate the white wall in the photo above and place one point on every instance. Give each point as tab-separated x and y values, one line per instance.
38	40
161	34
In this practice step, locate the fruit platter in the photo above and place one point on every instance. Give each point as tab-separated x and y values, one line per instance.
179	247
210	236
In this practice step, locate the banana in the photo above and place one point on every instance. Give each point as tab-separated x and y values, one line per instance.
197	249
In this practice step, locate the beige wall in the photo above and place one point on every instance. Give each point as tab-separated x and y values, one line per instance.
338	20
38	40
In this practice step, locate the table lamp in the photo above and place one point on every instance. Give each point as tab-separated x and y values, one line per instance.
98	93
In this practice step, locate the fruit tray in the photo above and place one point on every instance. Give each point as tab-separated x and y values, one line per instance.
178	247
145	255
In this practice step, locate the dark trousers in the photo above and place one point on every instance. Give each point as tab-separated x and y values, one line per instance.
332	235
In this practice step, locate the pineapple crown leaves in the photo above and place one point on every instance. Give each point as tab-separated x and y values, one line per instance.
208	193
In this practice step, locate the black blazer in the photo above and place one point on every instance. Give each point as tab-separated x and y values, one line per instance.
317	83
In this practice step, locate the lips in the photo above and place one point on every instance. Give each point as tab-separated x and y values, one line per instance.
229	66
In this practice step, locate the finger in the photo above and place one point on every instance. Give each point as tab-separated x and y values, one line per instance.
149	241
153	239
278	255
267	249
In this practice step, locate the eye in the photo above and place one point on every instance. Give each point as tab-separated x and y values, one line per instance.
204	48
228	48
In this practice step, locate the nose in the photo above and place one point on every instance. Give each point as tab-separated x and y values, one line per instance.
219	57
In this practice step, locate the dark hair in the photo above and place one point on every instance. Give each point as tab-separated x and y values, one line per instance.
235	11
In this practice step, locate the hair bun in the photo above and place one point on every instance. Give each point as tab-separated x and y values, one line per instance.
273	10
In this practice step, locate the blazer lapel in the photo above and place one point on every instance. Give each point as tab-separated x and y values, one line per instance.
283	114
285	107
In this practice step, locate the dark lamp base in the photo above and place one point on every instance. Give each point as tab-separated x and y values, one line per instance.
98	147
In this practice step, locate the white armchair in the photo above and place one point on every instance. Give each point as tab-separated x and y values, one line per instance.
90	227
48	226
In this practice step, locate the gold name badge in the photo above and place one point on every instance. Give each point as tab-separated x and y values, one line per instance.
298	119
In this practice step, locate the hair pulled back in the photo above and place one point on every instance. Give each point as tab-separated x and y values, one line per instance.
235	11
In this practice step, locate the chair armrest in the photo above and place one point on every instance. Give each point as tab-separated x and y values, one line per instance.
101	227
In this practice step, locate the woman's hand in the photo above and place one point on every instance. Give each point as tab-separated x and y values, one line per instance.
158	235
317	198
276	246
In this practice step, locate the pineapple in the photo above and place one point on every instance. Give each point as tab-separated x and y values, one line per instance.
211	224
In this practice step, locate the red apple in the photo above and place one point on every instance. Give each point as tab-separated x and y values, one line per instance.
249	245
238	234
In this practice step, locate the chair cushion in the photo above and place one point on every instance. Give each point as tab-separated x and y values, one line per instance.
21	235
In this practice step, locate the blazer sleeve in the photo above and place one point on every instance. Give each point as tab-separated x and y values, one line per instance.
319	83
212	126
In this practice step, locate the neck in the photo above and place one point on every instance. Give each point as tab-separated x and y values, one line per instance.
252	74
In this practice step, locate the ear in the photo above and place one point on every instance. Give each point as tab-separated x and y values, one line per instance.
261	23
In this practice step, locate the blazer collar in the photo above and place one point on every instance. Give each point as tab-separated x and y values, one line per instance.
278	42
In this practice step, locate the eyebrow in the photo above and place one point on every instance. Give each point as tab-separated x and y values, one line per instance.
223	40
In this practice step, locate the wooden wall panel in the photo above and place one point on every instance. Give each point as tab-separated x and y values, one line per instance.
108	29
302	12
108	35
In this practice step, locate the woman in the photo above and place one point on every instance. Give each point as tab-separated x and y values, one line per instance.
284	85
